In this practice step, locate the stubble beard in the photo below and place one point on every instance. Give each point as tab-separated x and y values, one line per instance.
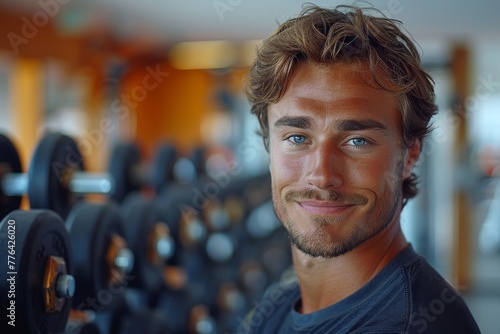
322	241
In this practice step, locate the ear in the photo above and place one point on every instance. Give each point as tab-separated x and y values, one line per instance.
412	154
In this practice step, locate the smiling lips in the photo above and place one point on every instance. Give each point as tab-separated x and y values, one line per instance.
318	207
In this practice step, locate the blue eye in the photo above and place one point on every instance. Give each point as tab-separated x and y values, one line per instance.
358	141
297	139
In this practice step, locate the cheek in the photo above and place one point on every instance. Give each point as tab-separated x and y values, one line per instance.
284	169
373	175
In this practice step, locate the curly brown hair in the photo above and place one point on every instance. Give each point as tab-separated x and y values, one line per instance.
346	34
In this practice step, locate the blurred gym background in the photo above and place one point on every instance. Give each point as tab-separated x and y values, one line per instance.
105	71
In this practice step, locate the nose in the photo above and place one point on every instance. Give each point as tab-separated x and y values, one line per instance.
325	166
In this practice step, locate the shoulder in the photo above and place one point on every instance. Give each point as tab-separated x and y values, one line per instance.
434	305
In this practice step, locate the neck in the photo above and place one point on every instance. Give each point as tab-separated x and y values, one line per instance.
324	282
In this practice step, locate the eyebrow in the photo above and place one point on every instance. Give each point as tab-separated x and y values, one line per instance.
300	122
303	122
359	125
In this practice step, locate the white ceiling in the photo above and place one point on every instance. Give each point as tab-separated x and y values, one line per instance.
168	21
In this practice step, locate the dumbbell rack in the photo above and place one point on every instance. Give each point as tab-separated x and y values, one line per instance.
195	258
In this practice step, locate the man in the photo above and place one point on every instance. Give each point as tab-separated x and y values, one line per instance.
344	106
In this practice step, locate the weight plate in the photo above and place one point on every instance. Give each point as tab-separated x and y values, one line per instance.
142	228
55	157
175	204
125	157
91	227
31	238
163	167
9	163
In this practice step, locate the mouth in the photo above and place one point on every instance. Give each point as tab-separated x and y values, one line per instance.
324	208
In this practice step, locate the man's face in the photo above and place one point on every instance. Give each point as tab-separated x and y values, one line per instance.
336	158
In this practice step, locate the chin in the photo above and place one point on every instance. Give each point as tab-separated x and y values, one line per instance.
319	239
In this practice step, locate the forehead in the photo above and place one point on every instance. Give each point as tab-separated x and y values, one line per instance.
334	89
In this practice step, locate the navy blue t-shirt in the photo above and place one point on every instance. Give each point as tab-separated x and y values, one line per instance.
407	296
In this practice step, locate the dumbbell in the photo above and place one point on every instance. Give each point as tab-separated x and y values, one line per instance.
150	240
202	235
140	216
177	208
189	233
9	164
197	252
218	204
56	177
190	169
219	197
101	257
225	220
203	231
221	242
243	277
37	262
202	220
